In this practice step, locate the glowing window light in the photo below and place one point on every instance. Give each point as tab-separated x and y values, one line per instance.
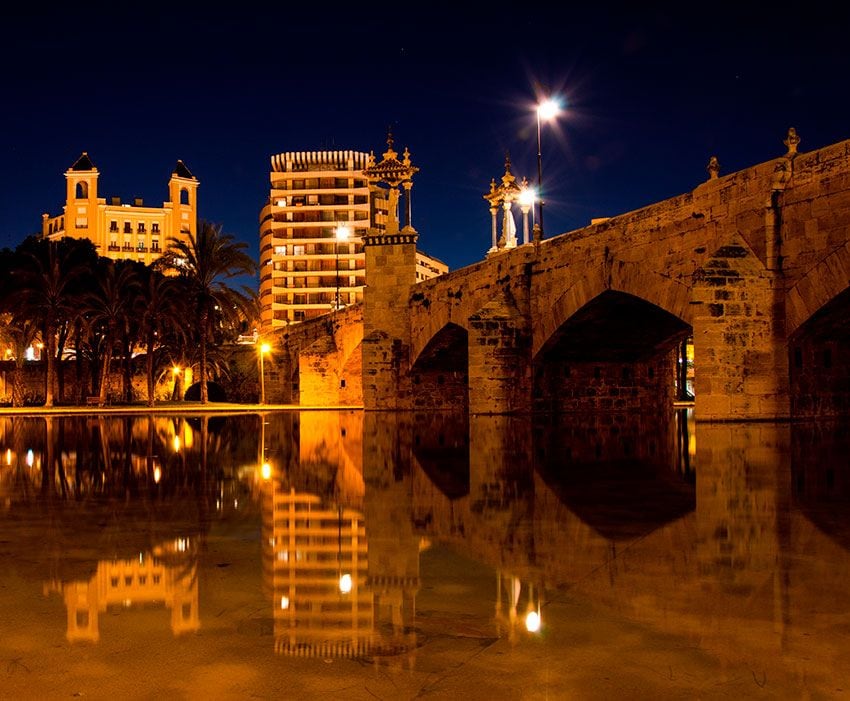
532	622
8	456
176	444
284	602
157	475
345	583
30	458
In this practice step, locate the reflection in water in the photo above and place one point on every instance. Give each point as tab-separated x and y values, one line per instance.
422	539
168	575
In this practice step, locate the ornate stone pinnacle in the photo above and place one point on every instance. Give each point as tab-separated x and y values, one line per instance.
713	168
792	141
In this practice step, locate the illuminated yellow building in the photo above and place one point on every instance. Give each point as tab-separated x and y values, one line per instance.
124	231
311	234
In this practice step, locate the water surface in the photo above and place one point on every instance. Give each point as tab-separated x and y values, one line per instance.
351	555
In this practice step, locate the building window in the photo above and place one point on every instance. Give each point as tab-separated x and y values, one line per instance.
113	226
155	228
127	227
141	227
298	250
155	245
82	223
280	250
82	191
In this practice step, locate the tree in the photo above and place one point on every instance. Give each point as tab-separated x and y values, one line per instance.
205	261
109	309
161	319
50	279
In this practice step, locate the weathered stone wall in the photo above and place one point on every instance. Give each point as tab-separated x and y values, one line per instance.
606	386
743	261
317	362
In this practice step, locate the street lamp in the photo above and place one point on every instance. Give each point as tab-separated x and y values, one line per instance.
343	232
264	348
547	110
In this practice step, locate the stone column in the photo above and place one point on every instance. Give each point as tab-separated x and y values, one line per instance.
499	361
494	228
740	349
390	272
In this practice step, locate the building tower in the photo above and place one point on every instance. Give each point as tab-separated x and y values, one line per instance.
312	258
123	231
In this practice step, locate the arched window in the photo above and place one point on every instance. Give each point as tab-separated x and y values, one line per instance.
82	190
184	196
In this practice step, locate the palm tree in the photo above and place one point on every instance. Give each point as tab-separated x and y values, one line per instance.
205	261
162	314
110	310
49	287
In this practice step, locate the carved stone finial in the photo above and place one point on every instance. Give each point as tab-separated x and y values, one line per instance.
713	168
493	185
792	141
406	157
390	138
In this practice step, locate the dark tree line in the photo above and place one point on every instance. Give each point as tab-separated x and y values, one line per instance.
103	312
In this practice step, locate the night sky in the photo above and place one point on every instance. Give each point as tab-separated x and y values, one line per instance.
651	94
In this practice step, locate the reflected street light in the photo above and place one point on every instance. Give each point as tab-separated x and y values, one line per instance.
264	348
547	110
343	232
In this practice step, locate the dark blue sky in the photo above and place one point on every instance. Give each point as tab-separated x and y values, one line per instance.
651	94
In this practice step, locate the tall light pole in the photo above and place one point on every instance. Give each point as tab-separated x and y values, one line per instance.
264	348
547	110
342	233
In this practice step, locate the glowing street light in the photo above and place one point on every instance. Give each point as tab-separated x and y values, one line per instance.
527	198
175	371
342	234
264	348
547	110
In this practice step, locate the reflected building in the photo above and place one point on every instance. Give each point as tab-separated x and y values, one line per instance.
331	570
167	576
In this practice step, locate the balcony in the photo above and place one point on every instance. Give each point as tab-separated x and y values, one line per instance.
114	247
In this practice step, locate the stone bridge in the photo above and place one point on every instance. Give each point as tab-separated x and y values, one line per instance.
753	266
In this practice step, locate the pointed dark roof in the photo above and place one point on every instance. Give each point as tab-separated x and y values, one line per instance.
181	171
83	163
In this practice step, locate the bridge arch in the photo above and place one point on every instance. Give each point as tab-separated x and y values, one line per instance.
663	291
822	283
615	352
440	373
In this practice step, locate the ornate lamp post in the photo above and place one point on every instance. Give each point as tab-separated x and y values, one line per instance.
546	111
502	196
